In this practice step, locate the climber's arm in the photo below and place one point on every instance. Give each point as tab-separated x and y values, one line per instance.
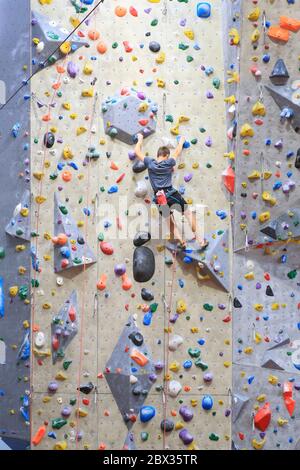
179	148
138	147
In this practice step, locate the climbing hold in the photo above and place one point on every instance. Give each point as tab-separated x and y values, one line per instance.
186	437
279	75
141	238
154	46
120	11
203	10
143	264
207	402
263	417
147	413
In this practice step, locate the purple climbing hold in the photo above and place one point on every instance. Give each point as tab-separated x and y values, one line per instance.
72	69
120	269
186	437
186	413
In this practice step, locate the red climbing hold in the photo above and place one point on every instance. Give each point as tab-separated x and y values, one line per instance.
106	248
133	11
288	397
127	46
229	179
72	313
263	417
143	122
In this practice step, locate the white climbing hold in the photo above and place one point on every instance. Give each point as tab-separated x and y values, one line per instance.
133	379
175	342
40	340
174	388
141	189
59	281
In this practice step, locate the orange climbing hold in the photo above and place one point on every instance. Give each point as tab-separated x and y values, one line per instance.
60	69
139	357
101	284
278	34
114	166
61	239
66	176
126	284
120	11
94	34
289	23
39	435
101	47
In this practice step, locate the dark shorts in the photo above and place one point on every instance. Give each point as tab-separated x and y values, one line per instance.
174	200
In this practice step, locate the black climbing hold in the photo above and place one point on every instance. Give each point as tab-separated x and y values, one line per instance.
86	388
138	166
49	139
137	390
143	264
141	238
279	74
80	241
237	303
270	231
297	161
167	425
154	46
269	291
146	295
137	338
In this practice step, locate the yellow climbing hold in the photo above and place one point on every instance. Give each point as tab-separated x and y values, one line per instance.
195	165
73	116
272	379
266	196
67	106
179	425
38	175
174	366
65	48
261	398
248	350
267	175
39	353
255	36
175	130
282	421
189	33
246	130
13	291
154	1
227	364
87	69
81	130
257	445
160	83
230	155
20	248
259	109
258	307
275	306
230	99
264	216
24	212
75	22
160	58
181	306
61	376
60	445
46	399
88	93
183	118
67	153
258	338
235	36
255	175
249	276
254	14
143	107
45	2
40	199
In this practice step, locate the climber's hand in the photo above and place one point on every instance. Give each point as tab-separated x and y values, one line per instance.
140	138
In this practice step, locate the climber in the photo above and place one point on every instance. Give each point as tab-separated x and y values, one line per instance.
160	174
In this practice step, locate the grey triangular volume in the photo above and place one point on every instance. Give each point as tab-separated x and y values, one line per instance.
270	232
271	364
284	97
74	253
49	37
280	341
128	381
238	403
214	258
19	225
279	74
64	327
129	443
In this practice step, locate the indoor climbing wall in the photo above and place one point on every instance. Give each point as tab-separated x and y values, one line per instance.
15	231
131	337
266	241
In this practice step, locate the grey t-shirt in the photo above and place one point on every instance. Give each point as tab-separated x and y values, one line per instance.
160	173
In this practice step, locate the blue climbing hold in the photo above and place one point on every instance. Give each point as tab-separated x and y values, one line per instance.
187	364
1	298
147	318
147	413
207	402
203	10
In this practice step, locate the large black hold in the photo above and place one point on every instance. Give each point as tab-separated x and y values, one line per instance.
143	264
49	140
279	75
138	166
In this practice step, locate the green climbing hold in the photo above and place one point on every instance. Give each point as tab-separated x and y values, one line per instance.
176	82
53	36
194	141
67	364
153	307
183	46
102	189
202	130
168	261
115	45
144	436
208	307
154	22
58	423
77	261
35	283
80	200
23	292
2	252
36	140
63	210
189	58
194	352
292	274
216	83
53	176
188	317
19	232
208	165
59	94
169	118
201	364
214	437
73	401
101	237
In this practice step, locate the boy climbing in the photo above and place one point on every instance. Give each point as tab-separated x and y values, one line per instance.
160	172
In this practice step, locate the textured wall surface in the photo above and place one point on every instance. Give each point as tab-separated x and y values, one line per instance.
15	265
266	278
187	91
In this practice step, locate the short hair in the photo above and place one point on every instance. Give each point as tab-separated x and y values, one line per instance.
163	152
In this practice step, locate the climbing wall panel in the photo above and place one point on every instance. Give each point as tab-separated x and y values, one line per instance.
15	250
185	80
266	284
